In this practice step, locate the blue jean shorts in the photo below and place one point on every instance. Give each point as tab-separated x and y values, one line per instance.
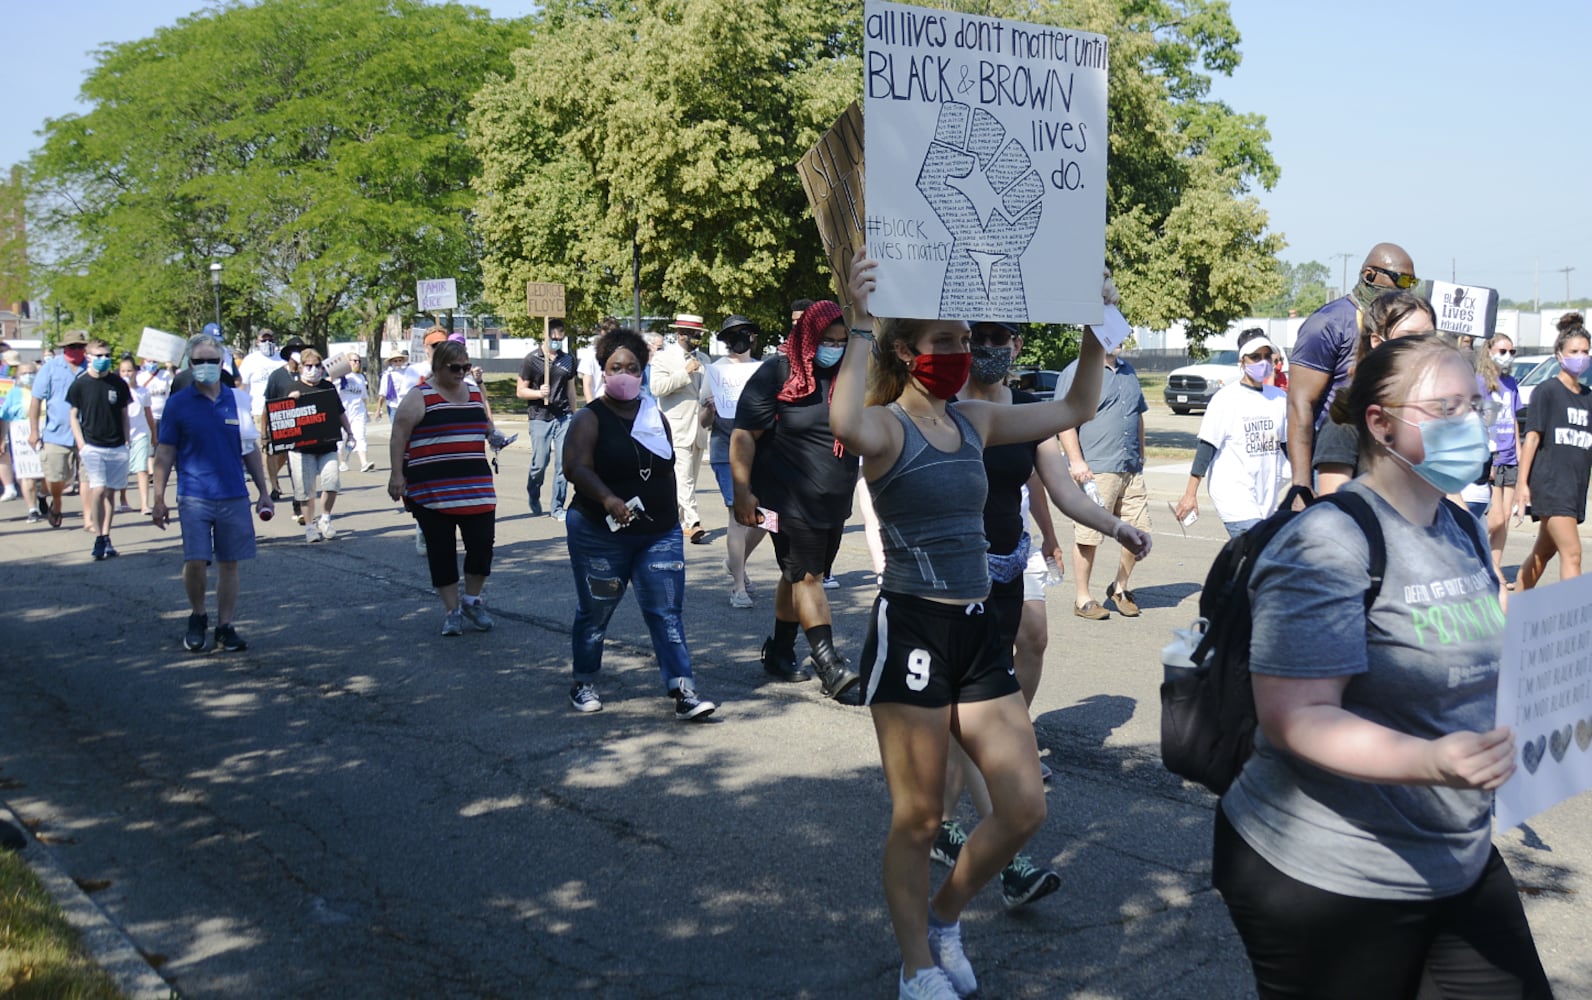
219	530
721	472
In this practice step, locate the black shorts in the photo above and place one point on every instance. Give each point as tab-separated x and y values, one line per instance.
1005	602
805	550
931	655
1505	475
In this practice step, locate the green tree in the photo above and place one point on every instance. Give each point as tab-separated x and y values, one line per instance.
314	147
667	126
1304	288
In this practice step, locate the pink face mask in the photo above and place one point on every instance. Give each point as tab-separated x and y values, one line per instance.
622	386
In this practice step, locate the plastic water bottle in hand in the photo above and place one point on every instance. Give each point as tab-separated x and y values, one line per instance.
1052	572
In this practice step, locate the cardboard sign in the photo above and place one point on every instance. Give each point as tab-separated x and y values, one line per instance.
831	174
434	294
544	299
158	345
986	180
1465	310
309	420
1545	695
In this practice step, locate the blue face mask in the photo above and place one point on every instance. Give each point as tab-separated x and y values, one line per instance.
1456	451
100	365
207	373
829	357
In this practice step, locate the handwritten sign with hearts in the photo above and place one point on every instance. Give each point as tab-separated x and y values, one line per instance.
986	149
1545	695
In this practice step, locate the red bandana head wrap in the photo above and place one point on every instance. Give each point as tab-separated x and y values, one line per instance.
802	347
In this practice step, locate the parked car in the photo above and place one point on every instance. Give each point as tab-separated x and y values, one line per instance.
1538	375
1524	366
1039	381
1192	386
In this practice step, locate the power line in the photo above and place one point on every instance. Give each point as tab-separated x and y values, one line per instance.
1566	272
1343	285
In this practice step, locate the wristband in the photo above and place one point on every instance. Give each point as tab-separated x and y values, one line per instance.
864	332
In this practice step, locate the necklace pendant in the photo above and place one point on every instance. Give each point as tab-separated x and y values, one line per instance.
646	474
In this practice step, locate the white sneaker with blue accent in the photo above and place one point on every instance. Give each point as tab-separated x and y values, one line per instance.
929	984
945	944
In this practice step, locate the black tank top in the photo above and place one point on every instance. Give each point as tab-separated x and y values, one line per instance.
628	469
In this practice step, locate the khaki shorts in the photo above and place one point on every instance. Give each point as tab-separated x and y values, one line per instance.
1123	494
60	463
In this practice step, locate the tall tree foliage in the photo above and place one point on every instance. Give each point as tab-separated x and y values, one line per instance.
667	127
674	124
314	147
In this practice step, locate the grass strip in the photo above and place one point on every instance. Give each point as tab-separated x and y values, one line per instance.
41	955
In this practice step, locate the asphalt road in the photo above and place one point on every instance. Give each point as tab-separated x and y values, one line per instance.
357	807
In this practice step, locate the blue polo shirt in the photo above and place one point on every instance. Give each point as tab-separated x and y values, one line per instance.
1326	343
209	450
54	378
1110	440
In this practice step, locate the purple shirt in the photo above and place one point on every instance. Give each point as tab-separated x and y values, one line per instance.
1503	428
1326	343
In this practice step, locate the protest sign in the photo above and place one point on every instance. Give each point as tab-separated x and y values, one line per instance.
1464	310
432	294
158	345
544	298
831	174
1545	695
986	151
296	424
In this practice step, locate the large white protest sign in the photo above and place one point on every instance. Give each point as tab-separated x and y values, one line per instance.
1465	310
1545	695
158	345
986	166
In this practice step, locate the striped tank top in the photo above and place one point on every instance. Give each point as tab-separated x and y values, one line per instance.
445	465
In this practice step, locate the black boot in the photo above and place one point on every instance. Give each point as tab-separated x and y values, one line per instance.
782	664
834	672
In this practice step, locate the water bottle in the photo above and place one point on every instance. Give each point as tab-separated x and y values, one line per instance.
1093	491
1176	656
1052	571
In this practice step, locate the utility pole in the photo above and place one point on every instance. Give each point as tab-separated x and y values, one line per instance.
1452	271
1343	285
1566	272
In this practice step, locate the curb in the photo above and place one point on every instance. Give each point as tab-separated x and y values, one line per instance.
105	941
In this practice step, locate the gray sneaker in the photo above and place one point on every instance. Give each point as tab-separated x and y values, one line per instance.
453	623
945	945
476	615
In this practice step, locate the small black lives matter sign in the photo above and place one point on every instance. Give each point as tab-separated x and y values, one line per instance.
304	422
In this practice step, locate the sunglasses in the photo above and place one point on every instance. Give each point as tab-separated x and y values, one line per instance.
458	369
105	355
1510	352
997	336
1399	280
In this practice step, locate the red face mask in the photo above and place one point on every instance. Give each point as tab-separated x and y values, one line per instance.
73	354
942	374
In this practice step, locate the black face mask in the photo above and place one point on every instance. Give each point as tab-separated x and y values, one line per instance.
739	345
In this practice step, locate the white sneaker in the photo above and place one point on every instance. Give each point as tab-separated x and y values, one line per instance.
342	466
312	534
830	583
945	944
929	984
740	599
324	525
11	493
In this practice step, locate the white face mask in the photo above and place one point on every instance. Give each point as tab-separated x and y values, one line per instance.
1504	362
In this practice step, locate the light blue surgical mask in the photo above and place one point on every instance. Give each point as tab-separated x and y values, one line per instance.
207	373
829	356
101	365
1456	451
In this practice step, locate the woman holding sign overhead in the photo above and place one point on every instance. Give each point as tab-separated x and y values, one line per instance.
1354	850
935	662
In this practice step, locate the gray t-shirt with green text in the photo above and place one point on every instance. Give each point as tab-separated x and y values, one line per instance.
1425	663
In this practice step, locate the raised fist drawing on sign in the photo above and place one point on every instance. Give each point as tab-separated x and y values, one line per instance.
986	191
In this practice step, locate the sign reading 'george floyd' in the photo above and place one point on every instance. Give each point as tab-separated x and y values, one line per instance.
986	150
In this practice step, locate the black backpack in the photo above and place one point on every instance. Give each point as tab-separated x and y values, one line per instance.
1208	710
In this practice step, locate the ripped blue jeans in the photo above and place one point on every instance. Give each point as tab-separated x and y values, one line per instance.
605	563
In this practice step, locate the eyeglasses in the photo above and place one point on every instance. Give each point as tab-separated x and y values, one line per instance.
991	336
1449	407
1399	279
457	369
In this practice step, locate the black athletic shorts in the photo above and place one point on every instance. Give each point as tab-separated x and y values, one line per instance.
924	653
803	549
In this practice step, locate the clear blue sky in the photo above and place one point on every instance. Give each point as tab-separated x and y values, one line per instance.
1449	126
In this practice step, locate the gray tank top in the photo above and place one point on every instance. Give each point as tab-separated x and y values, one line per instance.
931	515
